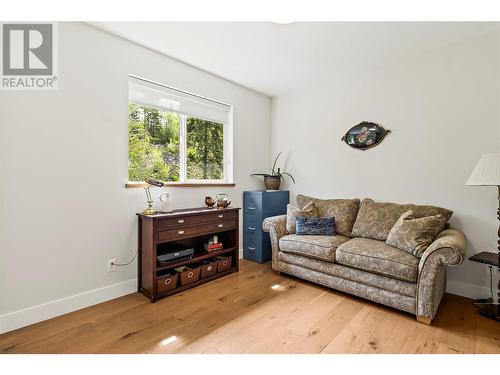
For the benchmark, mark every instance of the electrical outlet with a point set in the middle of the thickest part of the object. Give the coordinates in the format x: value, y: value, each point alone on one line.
x: 111, y: 265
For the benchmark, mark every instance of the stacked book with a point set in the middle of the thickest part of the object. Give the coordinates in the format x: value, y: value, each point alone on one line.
x: 213, y: 246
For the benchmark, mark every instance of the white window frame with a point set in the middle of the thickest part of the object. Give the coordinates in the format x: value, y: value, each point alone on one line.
x: 227, y: 136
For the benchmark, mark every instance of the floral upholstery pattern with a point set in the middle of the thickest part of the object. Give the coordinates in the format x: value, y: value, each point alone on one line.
x: 343, y: 210
x: 334, y: 269
x: 313, y: 246
x: 375, y: 220
x: 276, y: 227
x: 421, y: 296
x: 377, y: 257
x: 414, y: 235
x: 448, y: 249
x: 309, y: 210
x: 372, y: 293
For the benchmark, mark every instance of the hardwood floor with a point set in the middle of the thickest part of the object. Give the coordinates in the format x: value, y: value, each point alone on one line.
x: 257, y: 311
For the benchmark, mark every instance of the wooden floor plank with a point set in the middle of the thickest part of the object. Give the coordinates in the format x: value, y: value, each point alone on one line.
x: 257, y: 311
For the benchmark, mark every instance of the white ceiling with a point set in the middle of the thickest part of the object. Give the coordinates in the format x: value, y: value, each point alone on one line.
x: 275, y: 59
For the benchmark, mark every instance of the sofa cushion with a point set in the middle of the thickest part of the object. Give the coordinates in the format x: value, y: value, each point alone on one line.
x: 324, y: 226
x: 349, y: 273
x: 414, y: 235
x: 309, y: 210
x: 378, y: 257
x: 312, y: 246
x: 344, y: 211
x: 375, y: 220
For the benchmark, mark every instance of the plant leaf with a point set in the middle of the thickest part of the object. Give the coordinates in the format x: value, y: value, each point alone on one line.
x: 289, y: 175
x: 274, y: 164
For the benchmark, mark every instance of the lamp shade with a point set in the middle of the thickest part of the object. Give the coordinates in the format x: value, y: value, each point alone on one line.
x: 487, y: 171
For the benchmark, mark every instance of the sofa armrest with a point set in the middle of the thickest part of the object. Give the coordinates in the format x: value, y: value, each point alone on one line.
x: 448, y: 249
x: 276, y: 226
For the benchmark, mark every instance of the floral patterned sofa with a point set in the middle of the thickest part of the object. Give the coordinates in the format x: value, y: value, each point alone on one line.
x: 357, y: 259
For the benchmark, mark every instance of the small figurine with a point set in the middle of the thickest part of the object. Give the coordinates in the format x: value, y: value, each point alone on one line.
x: 223, y: 200
x: 210, y: 202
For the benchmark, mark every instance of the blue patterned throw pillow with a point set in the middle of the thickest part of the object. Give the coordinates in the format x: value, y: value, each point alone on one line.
x: 315, y: 225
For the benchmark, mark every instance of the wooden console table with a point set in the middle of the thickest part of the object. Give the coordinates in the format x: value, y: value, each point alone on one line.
x: 187, y: 227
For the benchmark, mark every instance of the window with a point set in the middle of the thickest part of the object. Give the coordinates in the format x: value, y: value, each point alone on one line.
x: 176, y: 136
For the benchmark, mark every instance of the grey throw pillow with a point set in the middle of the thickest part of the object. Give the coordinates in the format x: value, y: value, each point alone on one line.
x: 309, y: 210
x: 414, y: 235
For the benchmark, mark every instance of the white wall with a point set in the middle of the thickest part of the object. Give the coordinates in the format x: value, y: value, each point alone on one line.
x: 443, y: 111
x: 64, y: 206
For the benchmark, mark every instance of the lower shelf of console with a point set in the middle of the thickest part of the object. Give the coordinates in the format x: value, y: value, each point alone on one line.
x: 179, y: 289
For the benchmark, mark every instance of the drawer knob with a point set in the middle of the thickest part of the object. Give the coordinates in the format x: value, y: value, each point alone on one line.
x: 180, y: 232
x: 224, y: 263
x: 251, y: 228
x: 221, y: 215
x: 190, y: 274
x: 221, y: 225
x: 251, y: 208
x: 168, y: 281
x: 180, y: 221
x: 251, y: 248
x: 209, y: 268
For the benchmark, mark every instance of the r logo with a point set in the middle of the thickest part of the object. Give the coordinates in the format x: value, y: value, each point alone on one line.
x: 27, y: 49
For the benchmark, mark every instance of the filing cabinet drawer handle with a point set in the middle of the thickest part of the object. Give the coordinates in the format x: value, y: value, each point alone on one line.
x: 168, y: 281
x: 221, y: 225
x: 180, y: 232
x: 180, y: 221
x: 251, y: 208
x: 251, y: 248
x: 221, y: 215
x: 251, y: 228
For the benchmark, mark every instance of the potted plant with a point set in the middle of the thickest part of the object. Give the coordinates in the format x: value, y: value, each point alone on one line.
x: 273, y: 180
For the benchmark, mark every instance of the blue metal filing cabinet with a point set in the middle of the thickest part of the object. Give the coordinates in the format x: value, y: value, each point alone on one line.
x: 258, y: 205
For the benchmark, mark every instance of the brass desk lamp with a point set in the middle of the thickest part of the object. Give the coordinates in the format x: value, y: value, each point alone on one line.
x: 151, y: 182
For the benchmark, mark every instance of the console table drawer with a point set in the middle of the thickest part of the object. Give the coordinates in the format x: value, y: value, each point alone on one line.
x: 187, y: 232
x: 187, y: 221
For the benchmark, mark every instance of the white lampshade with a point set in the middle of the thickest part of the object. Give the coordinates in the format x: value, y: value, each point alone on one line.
x: 487, y: 171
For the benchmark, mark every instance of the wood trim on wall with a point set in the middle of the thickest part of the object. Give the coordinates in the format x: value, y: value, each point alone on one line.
x: 133, y: 185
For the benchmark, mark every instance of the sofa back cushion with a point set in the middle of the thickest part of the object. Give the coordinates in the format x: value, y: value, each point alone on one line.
x: 375, y: 220
x: 292, y: 213
x: 343, y: 210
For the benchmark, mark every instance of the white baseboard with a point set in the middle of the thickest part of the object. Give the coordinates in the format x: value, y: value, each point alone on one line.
x: 38, y: 313
x: 48, y: 310
x: 467, y: 290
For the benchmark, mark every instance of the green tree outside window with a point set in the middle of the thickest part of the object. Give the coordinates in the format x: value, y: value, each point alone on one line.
x: 154, y: 146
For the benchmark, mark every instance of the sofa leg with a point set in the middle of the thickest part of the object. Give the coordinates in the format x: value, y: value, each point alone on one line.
x: 425, y: 320
x: 277, y: 272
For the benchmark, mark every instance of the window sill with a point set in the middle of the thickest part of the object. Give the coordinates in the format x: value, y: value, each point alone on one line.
x: 133, y: 185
